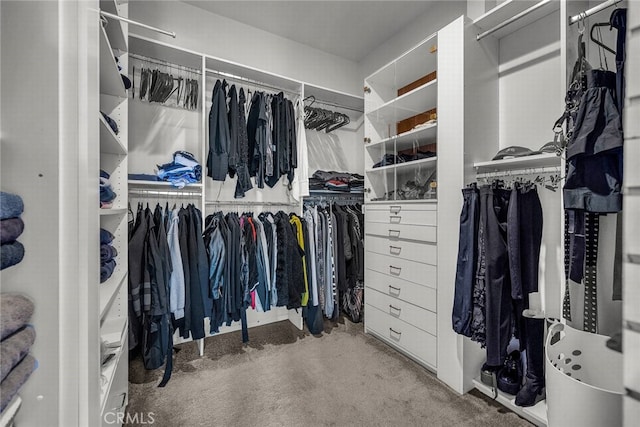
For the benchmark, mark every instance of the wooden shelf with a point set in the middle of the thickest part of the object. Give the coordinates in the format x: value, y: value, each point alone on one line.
x: 536, y: 414
x: 110, y: 79
x: 510, y: 8
x: 109, y: 141
x: 535, y: 161
x: 423, y: 135
x: 419, y: 100
x: 405, y: 165
x: 109, y: 289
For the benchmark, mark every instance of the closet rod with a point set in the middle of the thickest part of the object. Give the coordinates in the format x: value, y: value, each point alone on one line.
x: 518, y: 172
x: 592, y: 11
x: 513, y: 19
x: 251, y: 82
x: 176, y: 193
x: 139, y: 24
x: 248, y: 203
x: 164, y: 63
x: 331, y: 104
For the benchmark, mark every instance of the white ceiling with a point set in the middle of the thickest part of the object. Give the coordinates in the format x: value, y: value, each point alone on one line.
x: 349, y: 29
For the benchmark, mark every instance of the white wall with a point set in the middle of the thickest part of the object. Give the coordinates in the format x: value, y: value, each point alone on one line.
x: 439, y: 14
x: 339, y: 150
x: 225, y: 38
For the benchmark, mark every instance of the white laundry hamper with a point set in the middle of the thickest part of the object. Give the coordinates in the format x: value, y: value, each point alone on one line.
x: 584, y: 379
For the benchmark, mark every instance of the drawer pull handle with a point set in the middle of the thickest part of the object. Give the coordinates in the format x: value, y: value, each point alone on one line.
x: 395, y: 209
x: 394, y: 233
x: 395, y: 332
x: 394, y: 288
x: 396, y: 309
x: 395, y: 219
x: 394, y: 250
x: 394, y: 270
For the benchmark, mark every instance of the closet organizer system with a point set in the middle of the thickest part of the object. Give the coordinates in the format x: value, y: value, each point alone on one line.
x: 159, y: 129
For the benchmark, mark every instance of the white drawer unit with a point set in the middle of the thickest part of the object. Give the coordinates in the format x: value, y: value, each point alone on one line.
x: 401, y: 231
x: 412, y: 314
x: 405, y: 249
x: 422, y: 274
x: 409, y: 339
x: 399, y: 207
x: 403, y: 217
x: 413, y: 293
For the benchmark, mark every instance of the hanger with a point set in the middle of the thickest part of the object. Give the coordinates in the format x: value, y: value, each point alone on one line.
x: 598, y: 41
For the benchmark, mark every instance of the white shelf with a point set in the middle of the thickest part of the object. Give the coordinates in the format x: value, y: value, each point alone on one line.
x: 395, y: 202
x: 113, y: 330
x: 114, y: 27
x: 405, y: 165
x: 109, y: 141
x: 108, y: 371
x: 109, y: 289
x: 115, y: 211
x: 535, y: 161
x: 423, y: 135
x: 161, y: 184
x: 511, y: 8
x: 419, y: 100
x: 10, y: 411
x: 536, y: 414
x: 110, y: 79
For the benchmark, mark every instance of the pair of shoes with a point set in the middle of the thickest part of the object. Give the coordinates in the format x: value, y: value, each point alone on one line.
x: 531, y: 393
x: 510, y: 376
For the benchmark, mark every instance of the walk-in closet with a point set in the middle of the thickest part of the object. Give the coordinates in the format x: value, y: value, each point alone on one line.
x: 222, y: 213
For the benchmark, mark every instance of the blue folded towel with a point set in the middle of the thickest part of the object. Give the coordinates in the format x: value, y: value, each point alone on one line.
x: 11, y: 254
x: 105, y: 236
x: 14, y: 348
x: 19, y: 375
x: 15, y: 312
x: 106, y: 270
x: 11, y: 205
x: 10, y: 229
x: 107, y: 252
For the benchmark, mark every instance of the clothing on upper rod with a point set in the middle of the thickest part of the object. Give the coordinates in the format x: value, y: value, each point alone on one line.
x: 319, y: 118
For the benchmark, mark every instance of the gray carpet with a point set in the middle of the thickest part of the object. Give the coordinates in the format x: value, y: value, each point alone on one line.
x: 287, y: 377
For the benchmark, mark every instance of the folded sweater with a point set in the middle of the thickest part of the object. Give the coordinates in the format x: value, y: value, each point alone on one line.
x: 15, y: 312
x: 10, y: 229
x: 19, y: 375
x: 14, y: 348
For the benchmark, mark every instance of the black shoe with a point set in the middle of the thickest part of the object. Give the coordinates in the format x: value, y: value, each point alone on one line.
x: 531, y: 393
x: 510, y: 376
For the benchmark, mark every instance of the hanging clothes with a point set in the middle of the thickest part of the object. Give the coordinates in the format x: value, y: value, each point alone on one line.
x: 219, y: 134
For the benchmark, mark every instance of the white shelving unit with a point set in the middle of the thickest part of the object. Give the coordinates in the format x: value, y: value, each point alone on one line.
x: 534, y: 161
x: 405, y: 165
x: 409, y: 104
x: 109, y: 141
x: 110, y: 79
x: 537, y: 414
x: 511, y: 8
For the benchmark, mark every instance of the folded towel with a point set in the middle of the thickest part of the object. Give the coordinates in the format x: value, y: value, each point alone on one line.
x: 10, y: 229
x: 106, y: 270
x: 19, y: 375
x: 107, y: 252
x: 11, y: 254
x: 15, y: 312
x: 105, y: 236
x: 11, y: 205
x: 14, y: 348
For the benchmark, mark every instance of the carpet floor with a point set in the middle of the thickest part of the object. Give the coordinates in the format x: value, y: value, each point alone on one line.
x: 287, y: 377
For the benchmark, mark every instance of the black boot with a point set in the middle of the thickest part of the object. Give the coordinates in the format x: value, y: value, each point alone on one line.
x: 510, y: 376
x: 533, y: 390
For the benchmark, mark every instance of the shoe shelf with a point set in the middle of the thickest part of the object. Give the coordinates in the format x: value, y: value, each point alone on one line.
x: 422, y: 135
x: 405, y: 165
x: 110, y: 79
x: 536, y: 414
x: 109, y: 141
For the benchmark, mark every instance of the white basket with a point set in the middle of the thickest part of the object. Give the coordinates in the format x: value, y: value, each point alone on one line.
x: 584, y: 379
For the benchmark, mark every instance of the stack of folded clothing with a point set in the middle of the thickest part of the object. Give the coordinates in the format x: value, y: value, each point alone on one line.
x: 112, y: 123
x: 107, y: 255
x: 11, y: 226
x: 17, y: 337
x: 336, y: 181
x: 388, y: 159
x: 183, y: 170
x: 107, y: 195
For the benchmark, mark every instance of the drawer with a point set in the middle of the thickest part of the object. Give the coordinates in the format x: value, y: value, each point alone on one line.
x: 423, y: 233
x: 403, y: 217
x: 413, y: 315
x: 405, y: 249
x: 398, y: 207
x: 416, y: 272
x: 413, y: 293
x: 416, y: 342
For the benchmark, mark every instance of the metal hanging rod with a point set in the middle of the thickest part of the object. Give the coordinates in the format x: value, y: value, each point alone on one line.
x: 519, y: 172
x: 248, y: 203
x: 331, y: 104
x: 139, y: 24
x: 249, y: 82
x: 592, y: 11
x: 176, y: 193
x: 513, y: 19
x: 164, y: 63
